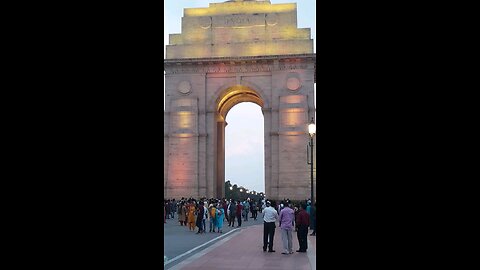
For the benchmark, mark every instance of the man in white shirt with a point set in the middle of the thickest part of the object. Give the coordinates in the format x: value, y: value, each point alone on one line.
x: 270, y: 216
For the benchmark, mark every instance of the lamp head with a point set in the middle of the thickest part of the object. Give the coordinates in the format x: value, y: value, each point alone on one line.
x: 311, y: 128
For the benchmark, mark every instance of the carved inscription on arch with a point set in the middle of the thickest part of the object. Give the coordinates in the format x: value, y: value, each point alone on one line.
x: 233, y: 68
x: 239, y: 20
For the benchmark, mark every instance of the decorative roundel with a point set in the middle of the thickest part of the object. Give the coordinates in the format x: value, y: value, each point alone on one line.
x: 184, y: 87
x: 293, y: 83
x: 205, y: 22
x: 272, y: 19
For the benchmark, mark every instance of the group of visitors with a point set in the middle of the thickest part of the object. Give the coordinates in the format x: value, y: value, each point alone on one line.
x: 170, y: 207
x: 192, y: 213
x: 290, y: 217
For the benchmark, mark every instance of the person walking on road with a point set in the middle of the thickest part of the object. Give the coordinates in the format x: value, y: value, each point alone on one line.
x: 286, y: 218
x: 270, y: 216
x: 303, y: 221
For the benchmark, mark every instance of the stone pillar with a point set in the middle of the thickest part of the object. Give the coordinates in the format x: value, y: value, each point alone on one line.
x: 220, y: 182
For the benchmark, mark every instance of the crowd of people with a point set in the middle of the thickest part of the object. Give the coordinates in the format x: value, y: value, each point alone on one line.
x: 290, y: 216
x: 194, y: 213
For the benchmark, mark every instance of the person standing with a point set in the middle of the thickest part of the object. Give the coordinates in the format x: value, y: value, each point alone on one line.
x: 212, y: 213
x: 232, y: 212
x: 205, y: 216
x: 191, y: 216
x: 200, y: 215
x: 224, y: 206
x: 309, y: 209
x: 173, y: 208
x: 286, y: 218
x: 270, y: 216
x: 246, y: 207
x: 296, y: 209
x: 167, y: 207
x: 220, y: 215
x: 280, y: 208
x: 303, y: 221
x: 239, y: 213
x: 181, y: 214
x: 314, y: 219
x: 254, y: 209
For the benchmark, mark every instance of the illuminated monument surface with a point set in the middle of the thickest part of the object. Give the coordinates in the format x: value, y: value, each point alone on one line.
x: 228, y: 53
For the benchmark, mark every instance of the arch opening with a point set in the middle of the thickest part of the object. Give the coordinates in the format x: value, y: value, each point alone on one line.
x: 244, y: 152
x: 235, y: 95
x: 227, y: 100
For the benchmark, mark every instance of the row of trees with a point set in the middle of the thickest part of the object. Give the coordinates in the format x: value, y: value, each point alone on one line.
x: 240, y: 193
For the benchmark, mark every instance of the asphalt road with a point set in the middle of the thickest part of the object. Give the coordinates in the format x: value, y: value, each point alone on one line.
x: 178, y: 239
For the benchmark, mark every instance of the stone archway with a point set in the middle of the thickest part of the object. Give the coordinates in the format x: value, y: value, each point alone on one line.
x: 229, y: 53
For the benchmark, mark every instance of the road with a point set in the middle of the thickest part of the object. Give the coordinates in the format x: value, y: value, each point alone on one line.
x: 178, y: 239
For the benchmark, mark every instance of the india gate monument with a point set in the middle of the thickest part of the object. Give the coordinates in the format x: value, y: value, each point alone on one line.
x: 228, y: 53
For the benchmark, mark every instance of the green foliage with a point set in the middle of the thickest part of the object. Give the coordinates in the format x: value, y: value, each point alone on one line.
x: 235, y: 194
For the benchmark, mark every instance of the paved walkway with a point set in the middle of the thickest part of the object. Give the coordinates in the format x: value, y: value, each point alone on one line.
x: 243, y: 250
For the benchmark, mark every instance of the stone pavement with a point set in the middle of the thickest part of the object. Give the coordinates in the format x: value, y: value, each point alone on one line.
x: 243, y: 250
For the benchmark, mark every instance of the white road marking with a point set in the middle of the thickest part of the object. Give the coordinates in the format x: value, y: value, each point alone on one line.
x: 202, y: 245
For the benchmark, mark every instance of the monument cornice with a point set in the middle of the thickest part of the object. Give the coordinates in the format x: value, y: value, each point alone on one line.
x: 235, y: 59
x: 240, y: 64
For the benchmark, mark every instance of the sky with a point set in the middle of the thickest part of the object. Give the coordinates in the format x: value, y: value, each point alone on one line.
x: 244, y: 142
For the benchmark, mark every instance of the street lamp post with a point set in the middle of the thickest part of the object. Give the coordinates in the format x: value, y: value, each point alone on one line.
x: 311, y: 132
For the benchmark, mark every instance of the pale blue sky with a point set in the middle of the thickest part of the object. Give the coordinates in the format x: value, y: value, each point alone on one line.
x: 244, y: 139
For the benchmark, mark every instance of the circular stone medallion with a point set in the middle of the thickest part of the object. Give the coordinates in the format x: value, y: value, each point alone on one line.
x: 205, y: 23
x: 272, y: 19
x: 293, y: 84
x: 184, y: 87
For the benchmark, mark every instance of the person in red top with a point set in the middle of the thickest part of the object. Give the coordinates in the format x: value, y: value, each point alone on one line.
x: 303, y: 221
x: 239, y: 214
